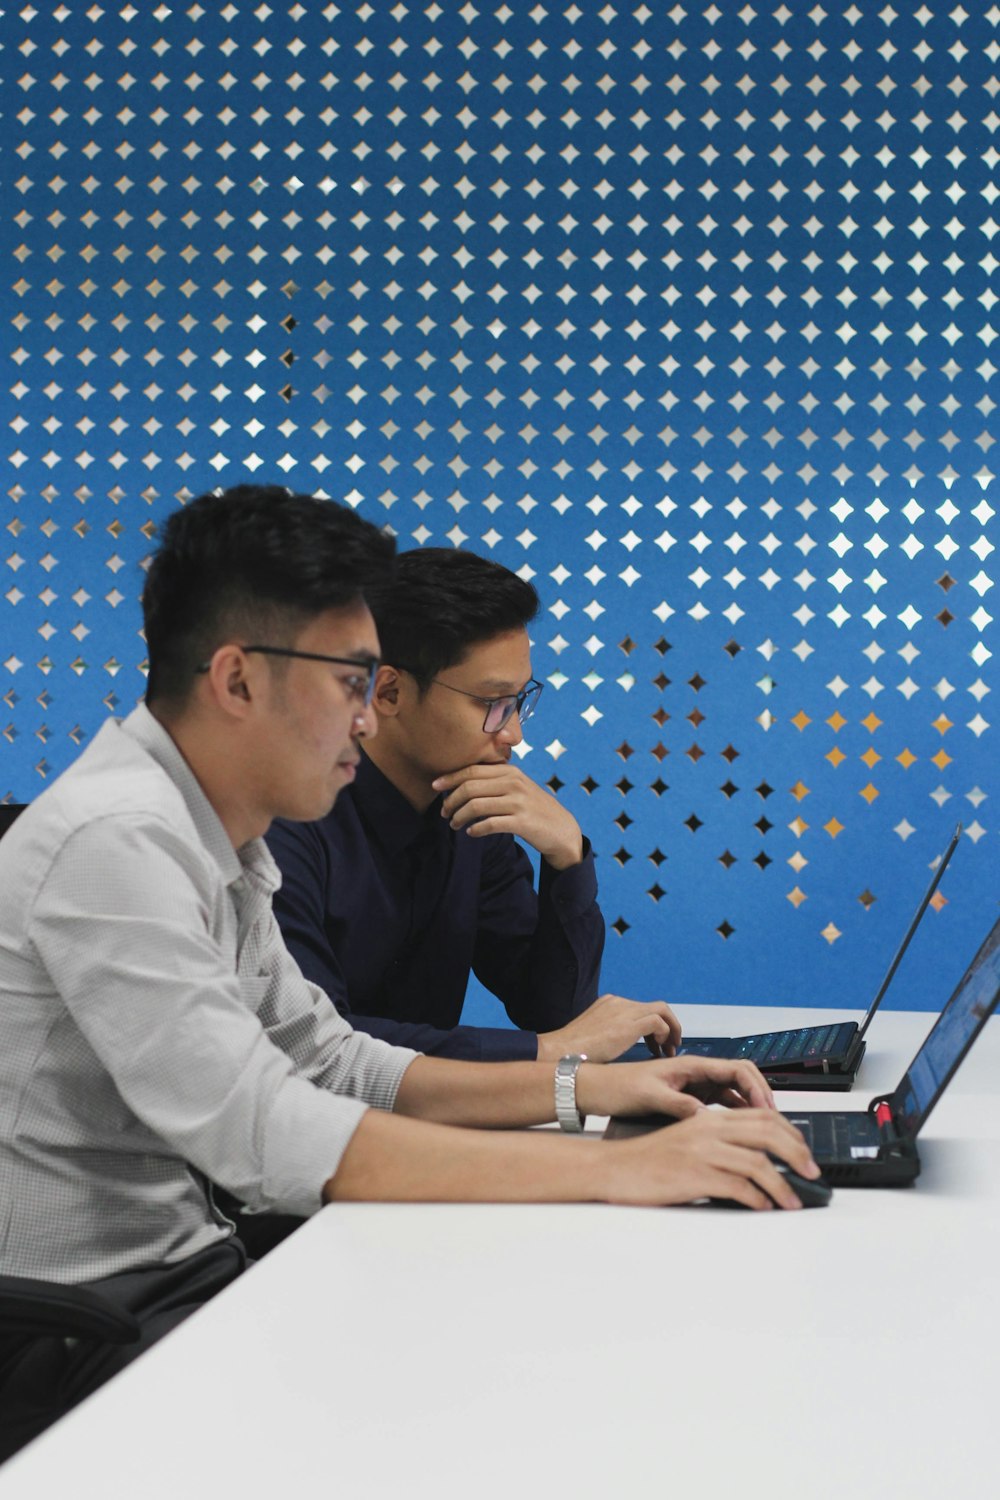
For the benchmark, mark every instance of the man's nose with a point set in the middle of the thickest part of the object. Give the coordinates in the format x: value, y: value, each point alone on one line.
x: 365, y: 724
x: 511, y: 733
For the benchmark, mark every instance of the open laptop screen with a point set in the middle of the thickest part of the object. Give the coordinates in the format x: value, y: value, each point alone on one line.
x: 950, y: 1038
x: 925, y: 901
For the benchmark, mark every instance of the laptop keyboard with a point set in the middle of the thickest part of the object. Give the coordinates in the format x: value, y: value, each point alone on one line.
x: 834, y: 1137
x: 776, y: 1047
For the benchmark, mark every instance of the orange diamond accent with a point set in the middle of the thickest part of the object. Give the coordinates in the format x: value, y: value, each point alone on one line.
x: 942, y: 724
x: 796, y: 897
x: 835, y: 756
x: 906, y: 759
x: 871, y: 722
x: 869, y: 793
x: 798, y: 826
x: 836, y: 721
x: 801, y: 720
x: 871, y: 757
x: 833, y: 828
x: 941, y: 760
x: 939, y: 901
x: 799, y: 790
x: 831, y: 933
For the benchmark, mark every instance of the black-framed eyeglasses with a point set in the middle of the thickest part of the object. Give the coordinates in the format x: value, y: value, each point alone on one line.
x: 499, y: 711
x: 361, y: 688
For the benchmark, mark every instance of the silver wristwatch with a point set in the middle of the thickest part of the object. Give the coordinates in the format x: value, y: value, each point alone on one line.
x: 567, y: 1113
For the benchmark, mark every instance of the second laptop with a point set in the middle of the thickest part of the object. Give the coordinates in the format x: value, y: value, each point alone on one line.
x: 817, y: 1057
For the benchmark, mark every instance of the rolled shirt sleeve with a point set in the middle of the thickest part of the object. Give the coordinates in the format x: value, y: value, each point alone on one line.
x: 182, y: 991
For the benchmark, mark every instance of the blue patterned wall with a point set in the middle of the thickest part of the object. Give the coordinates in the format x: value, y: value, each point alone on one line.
x: 684, y: 312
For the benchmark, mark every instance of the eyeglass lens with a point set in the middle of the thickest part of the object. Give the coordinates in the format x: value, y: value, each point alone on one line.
x: 503, y: 709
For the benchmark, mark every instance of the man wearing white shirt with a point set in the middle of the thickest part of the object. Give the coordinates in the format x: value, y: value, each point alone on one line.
x: 155, y: 1035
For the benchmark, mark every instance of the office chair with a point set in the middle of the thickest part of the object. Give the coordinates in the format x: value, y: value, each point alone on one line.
x: 36, y: 1308
x: 8, y: 812
x: 39, y: 1308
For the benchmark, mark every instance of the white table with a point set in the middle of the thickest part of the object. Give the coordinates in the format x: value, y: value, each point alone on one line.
x: 448, y: 1351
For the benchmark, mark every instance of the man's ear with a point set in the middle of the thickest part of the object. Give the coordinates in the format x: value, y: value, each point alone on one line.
x: 388, y: 691
x: 229, y: 681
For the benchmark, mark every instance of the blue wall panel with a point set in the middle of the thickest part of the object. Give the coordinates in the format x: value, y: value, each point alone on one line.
x: 686, y: 313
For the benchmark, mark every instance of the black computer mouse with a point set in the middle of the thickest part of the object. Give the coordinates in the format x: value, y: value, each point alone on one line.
x: 812, y: 1192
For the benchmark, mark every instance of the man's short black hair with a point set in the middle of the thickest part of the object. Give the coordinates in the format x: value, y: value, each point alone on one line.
x: 253, y: 564
x: 440, y: 603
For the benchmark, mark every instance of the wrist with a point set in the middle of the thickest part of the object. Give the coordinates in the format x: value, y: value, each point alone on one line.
x: 550, y: 1046
x: 591, y: 1090
x: 568, y: 1114
x: 565, y: 855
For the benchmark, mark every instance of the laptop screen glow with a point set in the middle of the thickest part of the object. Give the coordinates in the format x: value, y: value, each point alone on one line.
x: 967, y: 1010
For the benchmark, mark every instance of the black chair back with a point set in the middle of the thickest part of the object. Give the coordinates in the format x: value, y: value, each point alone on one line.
x: 47, y: 1307
x: 9, y: 811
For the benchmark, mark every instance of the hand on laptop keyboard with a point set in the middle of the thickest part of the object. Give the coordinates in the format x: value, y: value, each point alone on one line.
x: 610, y: 1027
x: 676, y: 1086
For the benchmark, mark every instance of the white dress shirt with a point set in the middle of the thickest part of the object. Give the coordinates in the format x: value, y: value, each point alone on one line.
x: 155, y: 1034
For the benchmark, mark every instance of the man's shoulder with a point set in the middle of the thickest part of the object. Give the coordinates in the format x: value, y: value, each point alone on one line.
x: 114, y: 780
x: 117, y: 774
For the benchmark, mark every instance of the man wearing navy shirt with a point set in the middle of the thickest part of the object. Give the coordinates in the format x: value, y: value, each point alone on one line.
x: 416, y: 878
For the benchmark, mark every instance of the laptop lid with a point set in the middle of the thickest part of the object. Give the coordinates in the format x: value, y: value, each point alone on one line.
x: 949, y: 1039
x: 890, y: 973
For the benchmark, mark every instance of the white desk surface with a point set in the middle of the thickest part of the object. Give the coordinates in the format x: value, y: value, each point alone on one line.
x: 579, y: 1352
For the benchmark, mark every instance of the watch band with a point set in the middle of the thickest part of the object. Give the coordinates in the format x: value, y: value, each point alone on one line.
x: 567, y: 1113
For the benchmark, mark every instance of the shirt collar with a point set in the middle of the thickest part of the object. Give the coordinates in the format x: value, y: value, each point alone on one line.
x: 389, y: 819
x: 253, y: 857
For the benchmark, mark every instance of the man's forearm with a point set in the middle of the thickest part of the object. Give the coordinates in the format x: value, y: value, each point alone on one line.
x: 519, y: 1094
x: 398, y: 1161
x: 719, y: 1154
x: 481, y: 1094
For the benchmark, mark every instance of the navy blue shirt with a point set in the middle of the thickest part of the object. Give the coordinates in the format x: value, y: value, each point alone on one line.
x: 388, y: 910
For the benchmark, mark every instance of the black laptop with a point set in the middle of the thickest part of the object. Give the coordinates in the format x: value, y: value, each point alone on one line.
x: 877, y: 1147
x: 817, y: 1057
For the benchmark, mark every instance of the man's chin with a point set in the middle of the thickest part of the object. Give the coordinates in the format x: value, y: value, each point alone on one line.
x: 313, y: 811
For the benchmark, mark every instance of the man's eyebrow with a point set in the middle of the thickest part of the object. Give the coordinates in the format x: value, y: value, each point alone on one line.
x: 500, y: 687
x: 363, y: 654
